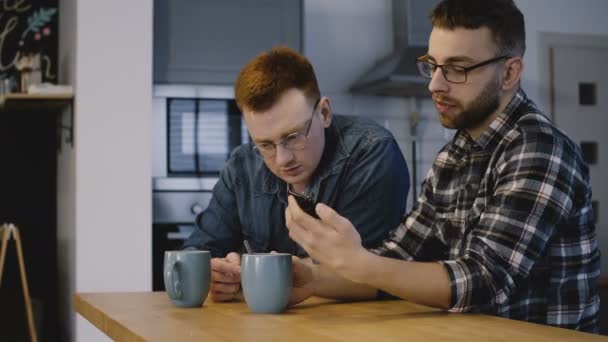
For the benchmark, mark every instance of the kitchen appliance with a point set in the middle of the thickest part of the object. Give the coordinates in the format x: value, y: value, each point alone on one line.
x: 194, y: 130
x: 396, y: 74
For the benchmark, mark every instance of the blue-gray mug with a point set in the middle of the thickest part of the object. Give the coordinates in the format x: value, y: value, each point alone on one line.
x: 187, y: 275
x: 266, y: 280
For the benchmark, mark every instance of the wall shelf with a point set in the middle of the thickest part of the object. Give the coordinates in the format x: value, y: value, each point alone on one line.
x: 16, y: 103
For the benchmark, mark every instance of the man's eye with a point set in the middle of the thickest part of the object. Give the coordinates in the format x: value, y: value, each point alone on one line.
x: 453, y: 69
x: 291, y: 137
x: 292, y: 140
x: 265, y: 146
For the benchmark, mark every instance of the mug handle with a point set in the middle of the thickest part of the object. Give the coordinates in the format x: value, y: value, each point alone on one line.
x: 175, y: 292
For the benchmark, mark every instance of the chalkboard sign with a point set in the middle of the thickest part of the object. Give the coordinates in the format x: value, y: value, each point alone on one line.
x: 29, y: 28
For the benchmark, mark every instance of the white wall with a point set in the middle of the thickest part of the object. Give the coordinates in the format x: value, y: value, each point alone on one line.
x: 105, y: 180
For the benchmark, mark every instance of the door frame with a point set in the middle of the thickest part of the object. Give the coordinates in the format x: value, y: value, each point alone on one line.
x: 550, y: 40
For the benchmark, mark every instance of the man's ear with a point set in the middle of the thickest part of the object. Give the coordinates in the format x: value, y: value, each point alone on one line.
x: 514, y: 67
x: 325, y: 110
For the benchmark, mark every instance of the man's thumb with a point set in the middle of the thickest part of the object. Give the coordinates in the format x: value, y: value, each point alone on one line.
x: 233, y: 258
x: 331, y: 217
x: 325, y: 212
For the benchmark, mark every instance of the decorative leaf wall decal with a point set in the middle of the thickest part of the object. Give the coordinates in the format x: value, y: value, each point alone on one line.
x: 38, y: 19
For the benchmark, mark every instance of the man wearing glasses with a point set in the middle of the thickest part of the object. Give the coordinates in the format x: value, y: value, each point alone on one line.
x: 353, y: 165
x: 503, y: 224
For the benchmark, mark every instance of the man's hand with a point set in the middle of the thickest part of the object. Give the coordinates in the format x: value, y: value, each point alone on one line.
x: 225, y: 278
x: 332, y: 239
x: 354, y: 272
x: 303, y: 280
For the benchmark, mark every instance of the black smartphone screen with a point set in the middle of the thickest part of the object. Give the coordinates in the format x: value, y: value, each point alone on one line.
x: 306, y: 203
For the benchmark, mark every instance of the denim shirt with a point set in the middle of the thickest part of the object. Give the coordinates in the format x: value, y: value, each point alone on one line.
x: 362, y: 175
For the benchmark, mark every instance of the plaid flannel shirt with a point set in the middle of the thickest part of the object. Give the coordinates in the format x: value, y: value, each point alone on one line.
x: 509, y: 216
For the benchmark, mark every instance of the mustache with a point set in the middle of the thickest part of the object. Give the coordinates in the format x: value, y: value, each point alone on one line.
x: 444, y: 99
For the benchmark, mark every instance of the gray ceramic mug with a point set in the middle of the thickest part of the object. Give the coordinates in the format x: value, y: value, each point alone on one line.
x: 266, y: 280
x: 187, y: 275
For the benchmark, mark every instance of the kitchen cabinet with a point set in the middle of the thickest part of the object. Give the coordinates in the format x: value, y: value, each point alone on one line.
x: 209, y: 41
x: 415, y: 26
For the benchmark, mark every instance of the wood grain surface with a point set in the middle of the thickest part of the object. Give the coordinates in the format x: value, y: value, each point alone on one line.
x: 150, y: 316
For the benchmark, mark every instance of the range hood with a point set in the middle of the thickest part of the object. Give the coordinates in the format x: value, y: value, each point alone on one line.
x: 396, y: 74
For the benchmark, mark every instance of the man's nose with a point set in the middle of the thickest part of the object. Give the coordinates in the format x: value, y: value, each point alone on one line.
x: 438, y: 82
x: 283, y: 156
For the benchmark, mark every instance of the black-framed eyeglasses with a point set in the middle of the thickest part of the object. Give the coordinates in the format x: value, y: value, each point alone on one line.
x: 452, y: 73
x: 292, y: 142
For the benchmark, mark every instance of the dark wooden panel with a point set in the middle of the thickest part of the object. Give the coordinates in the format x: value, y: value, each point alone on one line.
x: 28, y: 199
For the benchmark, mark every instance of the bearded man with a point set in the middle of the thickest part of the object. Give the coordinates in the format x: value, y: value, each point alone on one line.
x: 503, y: 224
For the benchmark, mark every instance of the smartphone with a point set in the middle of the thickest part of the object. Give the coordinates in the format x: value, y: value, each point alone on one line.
x: 305, y: 202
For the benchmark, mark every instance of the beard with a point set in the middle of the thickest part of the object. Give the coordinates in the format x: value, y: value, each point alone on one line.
x: 475, y: 112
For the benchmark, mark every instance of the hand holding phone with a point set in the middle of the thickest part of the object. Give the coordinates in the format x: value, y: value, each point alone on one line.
x: 305, y: 202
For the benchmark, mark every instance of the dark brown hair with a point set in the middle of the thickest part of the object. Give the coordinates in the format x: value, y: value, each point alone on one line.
x: 268, y: 75
x: 502, y: 17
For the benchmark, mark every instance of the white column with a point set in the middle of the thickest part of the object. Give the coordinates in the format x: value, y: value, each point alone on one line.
x: 104, y: 182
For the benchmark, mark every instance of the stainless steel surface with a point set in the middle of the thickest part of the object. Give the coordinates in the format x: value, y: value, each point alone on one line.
x: 183, y: 233
x: 183, y: 184
x: 396, y: 74
x: 161, y: 92
x: 193, y: 90
x: 247, y: 247
x: 177, y: 200
x: 196, y: 209
x: 174, y: 207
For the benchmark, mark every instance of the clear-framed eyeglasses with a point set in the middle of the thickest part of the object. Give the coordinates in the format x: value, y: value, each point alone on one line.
x: 292, y: 142
x: 452, y: 73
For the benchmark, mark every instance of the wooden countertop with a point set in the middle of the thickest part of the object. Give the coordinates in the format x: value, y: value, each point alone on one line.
x: 150, y: 316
